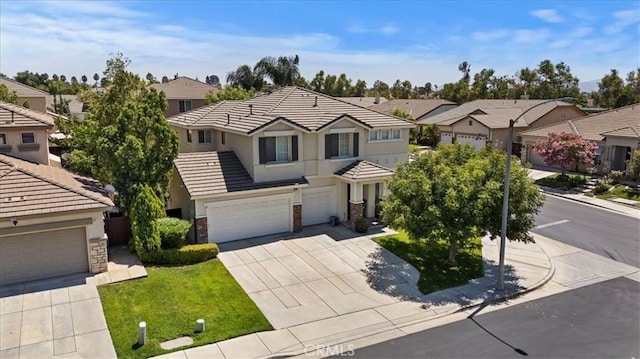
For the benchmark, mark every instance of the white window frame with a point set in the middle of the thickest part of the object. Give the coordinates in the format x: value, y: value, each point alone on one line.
x: 189, y: 136
x: 27, y: 133
x: 182, y: 105
x: 344, y: 144
x: 204, y: 136
x: 385, y: 135
x: 283, y: 144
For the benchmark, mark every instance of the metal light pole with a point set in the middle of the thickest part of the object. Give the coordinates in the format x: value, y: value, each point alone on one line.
x: 505, y: 198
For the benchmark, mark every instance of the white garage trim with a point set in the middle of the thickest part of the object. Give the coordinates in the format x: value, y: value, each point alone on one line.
x: 249, y: 217
x: 318, y: 204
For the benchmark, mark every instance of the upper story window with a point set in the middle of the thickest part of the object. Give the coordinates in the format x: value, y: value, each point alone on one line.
x: 204, y: 136
x: 385, y: 135
x: 189, y: 137
x: 3, y: 139
x: 278, y: 149
x: 28, y: 137
x: 341, y: 145
x: 185, y: 105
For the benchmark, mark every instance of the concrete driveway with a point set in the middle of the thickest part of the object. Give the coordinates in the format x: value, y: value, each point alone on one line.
x: 308, y: 278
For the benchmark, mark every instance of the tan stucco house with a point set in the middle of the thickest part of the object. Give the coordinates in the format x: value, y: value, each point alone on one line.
x: 183, y: 94
x: 37, y: 99
x: 51, y: 222
x: 24, y: 133
x: 617, y: 133
x: 481, y: 122
x: 281, y: 161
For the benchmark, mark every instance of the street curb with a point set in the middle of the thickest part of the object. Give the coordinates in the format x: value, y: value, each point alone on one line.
x: 559, y: 195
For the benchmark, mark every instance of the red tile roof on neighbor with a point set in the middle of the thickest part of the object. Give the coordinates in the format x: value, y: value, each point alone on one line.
x: 18, y: 116
x: 184, y: 88
x: 620, y: 122
x: 306, y: 109
x: 211, y: 173
x: 361, y: 170
x: 28, y: 188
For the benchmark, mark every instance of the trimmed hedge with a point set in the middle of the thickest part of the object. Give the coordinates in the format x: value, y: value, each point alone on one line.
x: 190, y: 254
x: 173, y: 231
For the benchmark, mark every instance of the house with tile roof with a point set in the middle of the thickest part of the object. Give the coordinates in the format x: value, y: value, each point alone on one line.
x: 483, y: 122
x: 364, y: 101
x: 24, y: 133
x: 37, y: 99
x: 617, y: 133
x: 51, y: 222
x: 183, y: 94
x: 281, y: 161
x: 418, y: 109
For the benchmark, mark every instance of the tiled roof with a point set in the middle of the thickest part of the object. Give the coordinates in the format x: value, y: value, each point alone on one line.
x: 497, y: 113
x: 21, y: 89
x: 28, y: 188
x: 359, y: 170
x: 184, y: 88
x: 75, y: 105
x: 416, y: 108
x: 623, y: 122
x: 211, y: 173
x: 363, y: 101
x: 18, y: 116
x: 304, y: 108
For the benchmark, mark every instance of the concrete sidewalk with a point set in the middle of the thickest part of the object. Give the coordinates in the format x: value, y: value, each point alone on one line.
x: 527, y: 268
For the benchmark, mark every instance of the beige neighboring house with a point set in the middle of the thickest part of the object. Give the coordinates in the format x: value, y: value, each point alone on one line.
x: 481, y: 122
x: 76, y: 107
x: 617, y: 133
x: 51, y: 222
x: 183, y: 94
x: 363, y: 100
x: 24, y: 133
x: 281, y: 161
x: 418, y: 109
x: 38, y: 100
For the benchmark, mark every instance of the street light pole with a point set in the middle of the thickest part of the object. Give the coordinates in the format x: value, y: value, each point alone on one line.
x: 505, y: 198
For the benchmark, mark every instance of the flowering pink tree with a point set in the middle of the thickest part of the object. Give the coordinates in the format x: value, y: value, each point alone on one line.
x: 565, y: 149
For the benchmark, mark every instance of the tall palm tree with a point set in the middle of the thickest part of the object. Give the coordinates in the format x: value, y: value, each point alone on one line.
x: 283, y: 71
x: 244, y: 77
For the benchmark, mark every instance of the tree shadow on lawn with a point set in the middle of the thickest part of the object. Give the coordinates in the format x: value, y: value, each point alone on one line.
x: 462, y: 285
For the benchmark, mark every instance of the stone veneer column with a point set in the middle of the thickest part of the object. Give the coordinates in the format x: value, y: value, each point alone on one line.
x: 98, y: 254
x: 297, y: 217
x: 202, y: 232
x: 355, y: 213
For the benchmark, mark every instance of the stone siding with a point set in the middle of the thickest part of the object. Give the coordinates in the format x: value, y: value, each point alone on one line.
x: 356, y: 211
x: 297, y: 217
x: 202, y: 232
x: 98, y: 259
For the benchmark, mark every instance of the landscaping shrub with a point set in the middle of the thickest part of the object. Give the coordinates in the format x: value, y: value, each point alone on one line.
x: 173, y: 231
x: 189, y: 254
x: 145, y: 209
x: 602, y: 187
x: 362, y: 225
x: 615, y: 176
x: 576, y: 181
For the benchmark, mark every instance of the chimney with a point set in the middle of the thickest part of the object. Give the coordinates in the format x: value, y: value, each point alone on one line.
x: 250, y: 109
x: 377, y: 100
x: 315, y: 104
x: 524, y: 97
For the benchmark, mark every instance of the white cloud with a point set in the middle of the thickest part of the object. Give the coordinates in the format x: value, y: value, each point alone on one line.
x: 531, y: 36
x: 621, y: 20
x: 489, y: 35
x: 548, y: 15
x: 581, y: 31
x: 387, y: 29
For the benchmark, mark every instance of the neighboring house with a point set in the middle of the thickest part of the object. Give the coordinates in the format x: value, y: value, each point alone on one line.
x: 37, y: 99
x: 481, y: 122
x: 281, y: 161
x: 418, y: 109
x: 51, y: 222
x: 76, y: 107
x: 24, y: 133
x: 363, y: 101
x: 617, y: 133
x: 183, y: 94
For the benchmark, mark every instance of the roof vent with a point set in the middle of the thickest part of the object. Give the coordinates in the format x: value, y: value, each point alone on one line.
x: 251, y: 109
x: 315, y: 104
x: 228, y: 119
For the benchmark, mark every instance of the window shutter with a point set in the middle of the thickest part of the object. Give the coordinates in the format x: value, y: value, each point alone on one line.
x: 356, y: 143
x: 328, y: 144
x: 262, y: 149
x: 294, y: 148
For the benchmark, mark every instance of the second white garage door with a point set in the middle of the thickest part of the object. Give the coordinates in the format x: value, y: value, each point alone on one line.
x: 318, y: 204
x: 246, y: 218
x: 42, y: 255
x: 477, y: 142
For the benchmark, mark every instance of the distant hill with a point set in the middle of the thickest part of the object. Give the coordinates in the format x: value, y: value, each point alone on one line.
x: 589, y: 86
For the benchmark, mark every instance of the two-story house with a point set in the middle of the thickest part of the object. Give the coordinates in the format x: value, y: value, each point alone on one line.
x: 280, y: 161
x: 183, y: 94
x: 36, y: 99
x: 24, y: 133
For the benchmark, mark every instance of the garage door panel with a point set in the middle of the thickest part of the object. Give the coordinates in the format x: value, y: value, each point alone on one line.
x: 318, y: 204
x: 43, y: 255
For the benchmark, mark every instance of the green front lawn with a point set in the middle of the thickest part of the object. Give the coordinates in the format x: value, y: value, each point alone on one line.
x: 620, y: 191
x: 562, y: 182
x: 170, y: 300
x: 435, y: 273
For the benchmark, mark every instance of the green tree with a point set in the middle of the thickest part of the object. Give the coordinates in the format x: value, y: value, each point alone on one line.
x: 317, y: 84
x: 359, y: 89
x: 84, y: 79
x: 245, y: 78
x: 458, y: 92
x: 146, y: 209
x: 455, y: 194
x: 227, y: 93
x: 8, y: 96
x: 96, y: 77
x: 125, y: 138
x: 283, y: 71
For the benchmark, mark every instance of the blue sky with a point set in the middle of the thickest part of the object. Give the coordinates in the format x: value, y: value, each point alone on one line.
x: 416, y: 40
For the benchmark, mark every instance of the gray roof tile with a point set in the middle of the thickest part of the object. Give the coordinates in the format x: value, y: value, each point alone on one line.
x: 416, y: 108
x: 14, y: 116
x: 184, y: 88
x: 361, y: 169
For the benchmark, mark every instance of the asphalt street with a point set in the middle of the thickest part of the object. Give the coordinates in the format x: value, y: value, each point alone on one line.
x: 597, y: 321
x: 599, y: 231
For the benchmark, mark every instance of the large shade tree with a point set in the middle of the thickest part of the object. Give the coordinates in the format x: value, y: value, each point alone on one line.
x: 282, y: 71
x: 455, y: 195
x: 244, y: 77
x: 565, y: 149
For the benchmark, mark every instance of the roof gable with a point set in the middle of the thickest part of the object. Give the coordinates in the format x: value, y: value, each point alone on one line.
x: 184, y: 88
x: 14, y: 116
x: 21, y: 89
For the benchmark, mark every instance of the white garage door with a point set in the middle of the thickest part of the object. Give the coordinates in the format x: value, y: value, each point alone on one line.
x: 446, y: 138
x: 318, y: 204
x: 477, y: 142
x: 42, y: 255
x: 245, y: 218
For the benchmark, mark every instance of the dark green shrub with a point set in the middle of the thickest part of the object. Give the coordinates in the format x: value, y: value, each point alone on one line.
x: 362, y: 225
x: 173, y: 231
x: 602, y: 187
x: 189, y: 254
x: 576, y: 181
x: 144, y: 211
